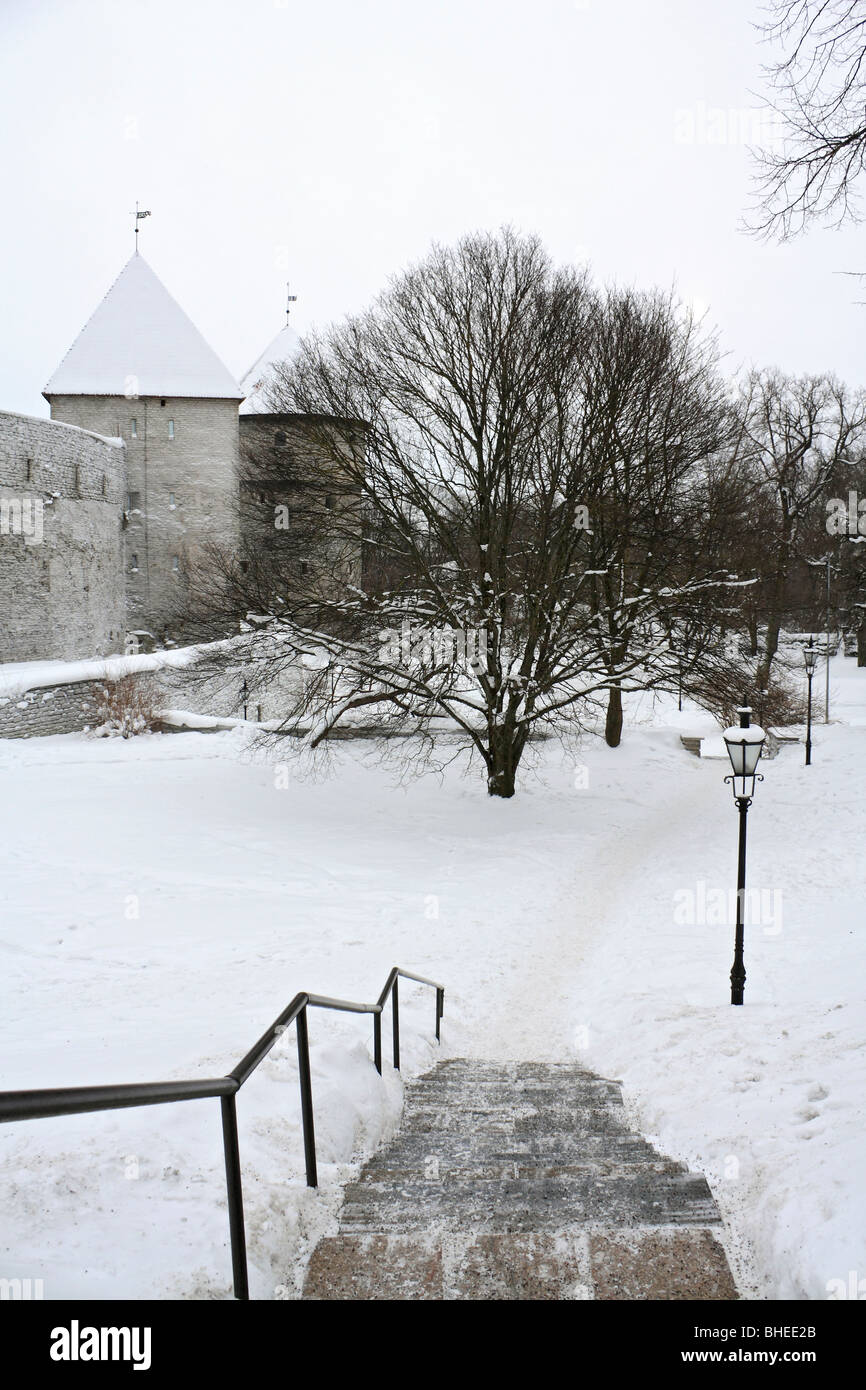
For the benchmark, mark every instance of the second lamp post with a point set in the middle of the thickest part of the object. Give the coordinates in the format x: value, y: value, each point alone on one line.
x: 810, y: 657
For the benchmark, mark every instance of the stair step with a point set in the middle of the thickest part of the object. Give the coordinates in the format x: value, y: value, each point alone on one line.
x: 490, y: 1147
x: 538, y: 1266
x: 479, y: 1066
x: 525, y: 1204
x: 521, y: 1124
x: 392, y: 1167
x: 495, y: 1096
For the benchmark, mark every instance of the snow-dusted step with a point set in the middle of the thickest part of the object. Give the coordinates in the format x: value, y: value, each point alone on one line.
x: 521, y: 1180
x: 399, y: 1167
x: 536, y: 1203
x: 454, y: 1151
x: 567, y: 1265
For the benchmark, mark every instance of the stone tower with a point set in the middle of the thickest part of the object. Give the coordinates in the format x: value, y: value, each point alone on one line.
x: 141, y: 371
x: 284, y: 467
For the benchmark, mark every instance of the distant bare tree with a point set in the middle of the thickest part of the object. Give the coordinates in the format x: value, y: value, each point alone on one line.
x: 818, y: 91
x: 799, y: 433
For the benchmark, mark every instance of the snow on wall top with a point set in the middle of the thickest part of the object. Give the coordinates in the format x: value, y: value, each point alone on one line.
x: 140, y: 342
x: 115, y: 440
x: 283, y: 347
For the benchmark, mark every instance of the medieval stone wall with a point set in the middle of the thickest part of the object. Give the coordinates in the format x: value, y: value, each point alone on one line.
x: 61, y: 549
x: 73, y: 707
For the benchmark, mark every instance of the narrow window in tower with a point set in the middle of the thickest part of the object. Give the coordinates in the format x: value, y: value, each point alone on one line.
x: 133, y: 429
x: 104, y: 486
x: 175, y: 563
x: 304, y: 567
x: 29, y: 472
x: 133, y: 563
x: 171, y: 501
x: 245, y: 564
x: 329, y: 501
x: 279, y: 437
x: 171, y: 429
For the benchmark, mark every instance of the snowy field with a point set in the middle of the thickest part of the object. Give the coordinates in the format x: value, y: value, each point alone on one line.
x: 164, y: 898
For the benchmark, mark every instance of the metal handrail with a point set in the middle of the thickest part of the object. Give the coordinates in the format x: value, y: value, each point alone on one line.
x: 77, y: 1100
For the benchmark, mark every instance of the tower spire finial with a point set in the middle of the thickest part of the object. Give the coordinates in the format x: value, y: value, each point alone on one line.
x: 290, y: 300
x: 138, y: 218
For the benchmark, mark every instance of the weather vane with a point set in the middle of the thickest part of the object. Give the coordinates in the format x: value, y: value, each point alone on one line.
x: 290, y: 300
x: 139, y: 216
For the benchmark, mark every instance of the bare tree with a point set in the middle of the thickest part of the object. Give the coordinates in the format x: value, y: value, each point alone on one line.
x: 659, y: 414
x: 818, y: 91
x: 798, y: 434
x: 493, y: 442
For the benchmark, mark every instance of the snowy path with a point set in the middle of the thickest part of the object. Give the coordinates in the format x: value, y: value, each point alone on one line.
x: 545, y: 1013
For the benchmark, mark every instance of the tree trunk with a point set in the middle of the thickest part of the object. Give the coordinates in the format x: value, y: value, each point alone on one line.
x: 613, y: 723
x: 501, y: 767
x: 501, y: 782
x: 505, y: 750
x: 774, y: 626
x: 774, y: 617
x: 861, y: 643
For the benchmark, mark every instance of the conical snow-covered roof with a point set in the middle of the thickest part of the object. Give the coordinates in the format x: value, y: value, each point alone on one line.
x: 254, y: 384
x: 139, y: 342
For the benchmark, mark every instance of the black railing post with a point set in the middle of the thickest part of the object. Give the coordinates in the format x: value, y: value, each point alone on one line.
x: 440, y: 1009
x: 377, y: 1042
x: 306, y: 1099
x: 234, y: 1192
x: 395, y: 1021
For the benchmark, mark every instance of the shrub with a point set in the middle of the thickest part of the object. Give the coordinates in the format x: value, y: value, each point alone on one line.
x: 126, y: 708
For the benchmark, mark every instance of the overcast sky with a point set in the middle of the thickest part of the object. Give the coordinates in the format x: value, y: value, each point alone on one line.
x: 330, y: 142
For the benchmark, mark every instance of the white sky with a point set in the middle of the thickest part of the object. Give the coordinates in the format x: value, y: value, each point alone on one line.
x: 330, y: 142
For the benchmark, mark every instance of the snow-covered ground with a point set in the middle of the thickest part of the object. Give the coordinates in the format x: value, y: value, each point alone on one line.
x: 163, y: 898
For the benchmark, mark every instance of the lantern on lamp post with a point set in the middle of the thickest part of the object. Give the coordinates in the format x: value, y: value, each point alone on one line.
x: 810, y: 658
x: 745, y: 745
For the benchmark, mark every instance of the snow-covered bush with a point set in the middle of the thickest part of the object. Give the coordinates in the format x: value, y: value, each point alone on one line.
x: 126, y: 707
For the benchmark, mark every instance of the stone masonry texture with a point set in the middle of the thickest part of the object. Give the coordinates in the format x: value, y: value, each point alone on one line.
x: 182, y: 492
x: 59, y: 590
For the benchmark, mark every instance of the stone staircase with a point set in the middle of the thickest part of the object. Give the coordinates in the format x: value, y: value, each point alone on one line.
x: 521, y: 1181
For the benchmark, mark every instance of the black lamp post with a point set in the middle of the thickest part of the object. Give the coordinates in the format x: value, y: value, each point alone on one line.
x: 745, y: 745
x: 810, y: 657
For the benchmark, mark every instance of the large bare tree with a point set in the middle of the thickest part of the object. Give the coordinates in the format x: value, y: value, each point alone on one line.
x: 527, y: 487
